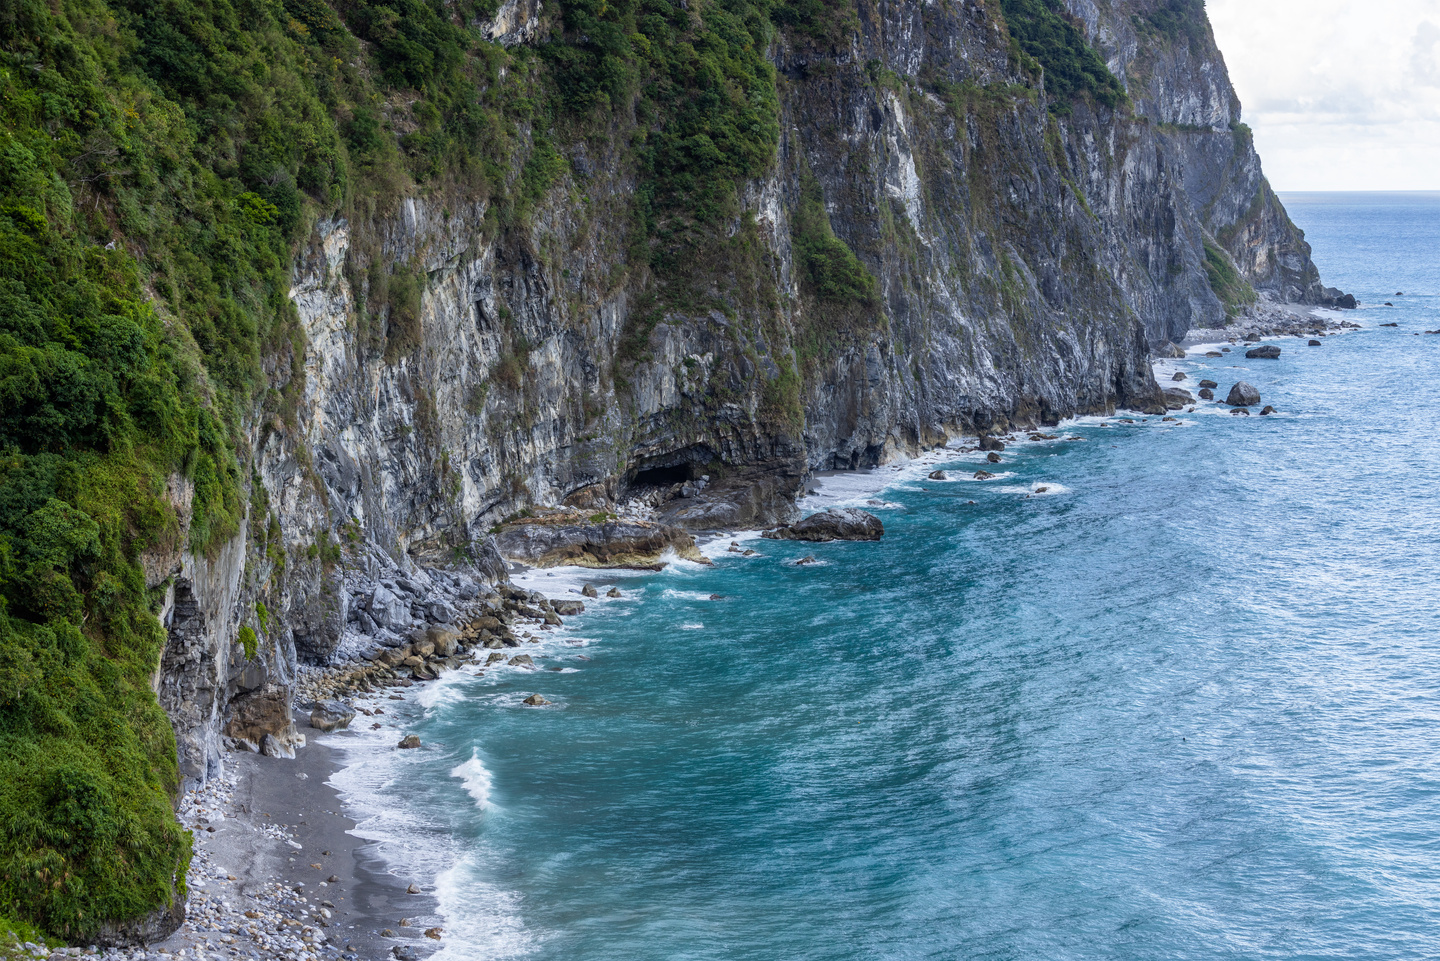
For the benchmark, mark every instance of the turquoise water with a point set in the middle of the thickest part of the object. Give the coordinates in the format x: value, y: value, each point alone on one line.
x: 1184, y: 704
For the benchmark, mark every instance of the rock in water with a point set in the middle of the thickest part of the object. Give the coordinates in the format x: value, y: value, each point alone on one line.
x: 589, y: 591
x: 522, y: 660
x: 937, y: 475
x: 1179, y: 375
x: 1243, y: 395
x: 990, y: 443
x: 409, y: 742
x: 1209, y: 383
x: 993, y: 458
x: 836, y: 524
x: 1207, y: 394
x: 535, y: 700
x: 1267, y: 411
x: 613, y: 592
x: 807, y: 559
x: 1314, y: 343
x: 1176, y: 398
x: 331, y: 715
x: 983, y: 475
x: 568, y: 608
x: 1263, y: 352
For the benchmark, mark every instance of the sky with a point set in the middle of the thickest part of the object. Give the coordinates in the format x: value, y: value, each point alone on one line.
x: 1341, y: 94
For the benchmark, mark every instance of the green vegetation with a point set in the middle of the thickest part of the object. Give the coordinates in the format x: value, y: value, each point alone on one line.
x: 1173, y: 20
x: 248, y: 642
x: 1232, y: 289
x: 160, y: 163
x: 1042, y: 32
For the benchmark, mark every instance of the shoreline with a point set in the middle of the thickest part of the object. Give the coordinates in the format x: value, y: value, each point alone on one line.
x: 272, y: 831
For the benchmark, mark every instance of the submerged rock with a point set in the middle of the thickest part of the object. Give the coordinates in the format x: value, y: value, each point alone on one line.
x: 1243, y: 395
x: 836, y: 524
x: 535, y: 700
x: 983, y: 475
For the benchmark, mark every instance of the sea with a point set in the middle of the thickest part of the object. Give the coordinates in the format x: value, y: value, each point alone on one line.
x: 1158, y: 690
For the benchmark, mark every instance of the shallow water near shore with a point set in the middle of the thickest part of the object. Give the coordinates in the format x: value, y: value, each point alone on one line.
x: 1183, y: 704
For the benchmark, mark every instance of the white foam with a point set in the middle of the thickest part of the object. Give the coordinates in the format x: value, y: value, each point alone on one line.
x: 686, y: 595
x: 692, y: 627
x: 476, y: 779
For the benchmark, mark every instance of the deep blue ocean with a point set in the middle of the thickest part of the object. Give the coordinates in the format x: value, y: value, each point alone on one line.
x: 1184, y: 704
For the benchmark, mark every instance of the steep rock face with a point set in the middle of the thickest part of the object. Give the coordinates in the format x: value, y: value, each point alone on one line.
x: 1026, y: 261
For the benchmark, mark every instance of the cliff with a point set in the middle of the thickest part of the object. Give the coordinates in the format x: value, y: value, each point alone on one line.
x: 382, y: 276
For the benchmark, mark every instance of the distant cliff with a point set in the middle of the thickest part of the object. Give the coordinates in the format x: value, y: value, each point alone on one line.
x: 300, y: 299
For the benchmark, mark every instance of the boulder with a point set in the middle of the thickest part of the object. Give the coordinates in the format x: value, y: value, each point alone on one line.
x: 937, y: 475
x: 1207, y: 394
x: 535, y: 700
x: 613, y: 592
x: 1314, y: 343
x: 422, y: 648
x: 1267, y: 410
x: 1390, y: 325
x: 1213, y: 353
x: 1242, y: 395
x: 992, y: 458
x: 990, y: 443
x: 1179, y: 375
x: 1168, y: 349
x: 272, y: 746
x: 568, y: 608
x: 1263, y: 352
x: 434, y: 933
x: 807, y: 559
x: 1240, y: 411
x: 589, y: 591
x: 331, y: 715
x: 983, y: 475
x: 836, y: 524
x: 495, y: 657
x: 1209, y: 383
x: 445, y: 640
x: 521, y: 660
x: 409, y: 742
x: 1176, y: 398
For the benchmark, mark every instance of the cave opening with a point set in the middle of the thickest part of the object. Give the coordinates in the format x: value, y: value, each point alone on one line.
x: 662, y: 476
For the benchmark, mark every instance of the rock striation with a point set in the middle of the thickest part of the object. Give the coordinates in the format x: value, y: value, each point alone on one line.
x: 1028, y: 258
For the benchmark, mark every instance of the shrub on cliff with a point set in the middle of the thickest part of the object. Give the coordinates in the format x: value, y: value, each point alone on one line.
x: 1045, y: 31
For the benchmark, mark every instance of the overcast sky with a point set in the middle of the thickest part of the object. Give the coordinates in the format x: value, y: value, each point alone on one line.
x: 1341, y: 94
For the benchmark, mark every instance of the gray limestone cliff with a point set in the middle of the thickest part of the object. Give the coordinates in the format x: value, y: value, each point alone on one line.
x: 1027, y: 262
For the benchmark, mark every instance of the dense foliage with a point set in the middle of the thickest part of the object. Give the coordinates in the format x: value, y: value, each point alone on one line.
x: 1232, y: 289
x: 1044, y: 31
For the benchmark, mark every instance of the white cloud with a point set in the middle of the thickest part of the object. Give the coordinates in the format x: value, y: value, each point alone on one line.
x: 1341, y: 94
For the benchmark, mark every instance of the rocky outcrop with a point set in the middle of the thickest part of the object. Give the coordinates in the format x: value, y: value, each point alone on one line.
x: 836, y: 524
x: 559, y: 539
